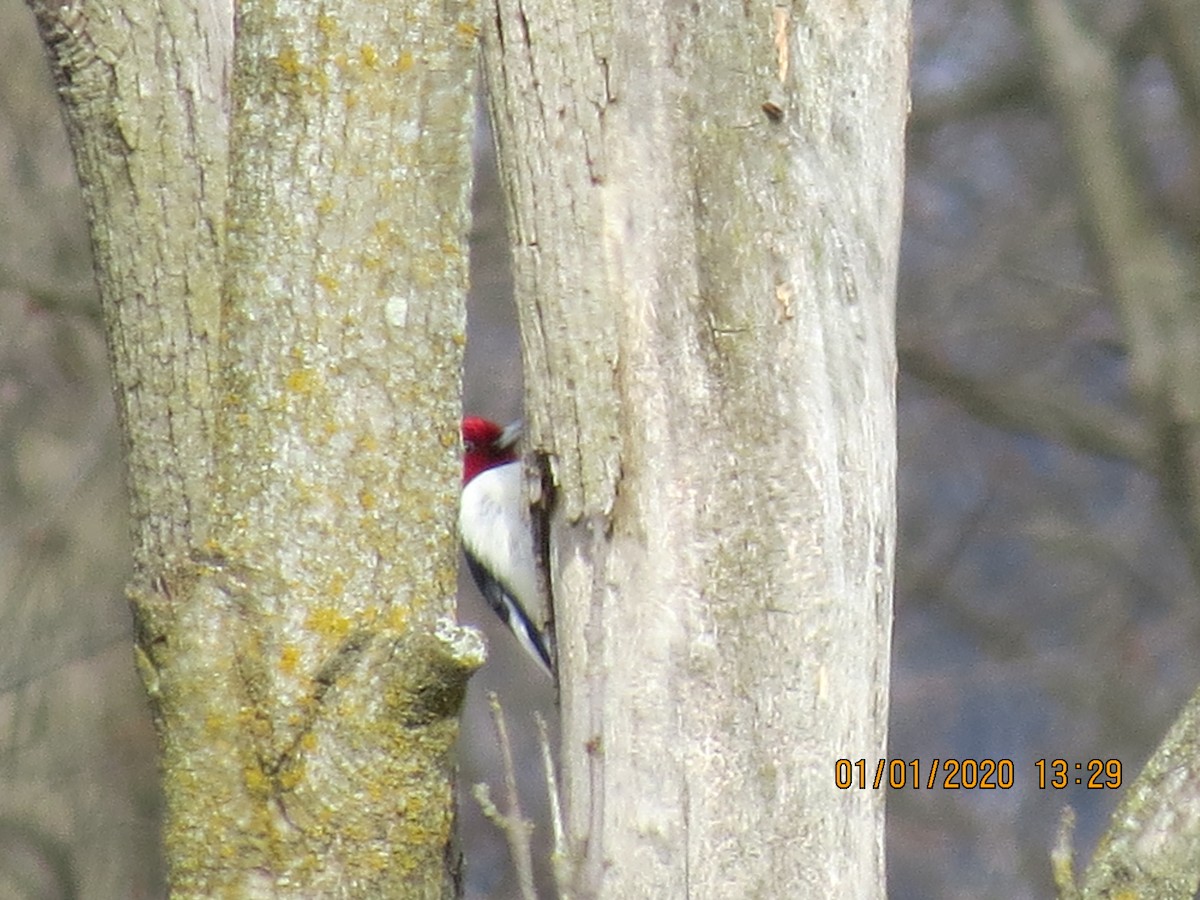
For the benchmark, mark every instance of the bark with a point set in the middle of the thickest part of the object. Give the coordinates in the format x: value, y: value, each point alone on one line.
x: 706, y: 212
x: 279, y: 233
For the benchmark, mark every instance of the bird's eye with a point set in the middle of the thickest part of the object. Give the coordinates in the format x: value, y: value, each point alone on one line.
x: 468, y: 446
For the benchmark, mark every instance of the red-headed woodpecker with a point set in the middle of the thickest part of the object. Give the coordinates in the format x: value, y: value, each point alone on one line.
x: 497, y: 533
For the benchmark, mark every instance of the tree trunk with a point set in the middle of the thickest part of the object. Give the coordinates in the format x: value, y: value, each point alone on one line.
x: 279, y: 230
x: 706, y: 210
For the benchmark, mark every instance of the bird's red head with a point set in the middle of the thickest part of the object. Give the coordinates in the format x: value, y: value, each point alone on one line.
x: 486, y: 445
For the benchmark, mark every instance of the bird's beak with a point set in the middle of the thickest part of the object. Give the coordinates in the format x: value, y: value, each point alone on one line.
x: 511, y: 434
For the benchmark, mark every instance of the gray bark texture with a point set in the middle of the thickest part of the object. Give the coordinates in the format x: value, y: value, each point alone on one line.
x: 706, y: 205
x: 279, y: 228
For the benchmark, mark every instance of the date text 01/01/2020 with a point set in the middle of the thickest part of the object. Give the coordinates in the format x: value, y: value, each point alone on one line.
x: 974, y: 774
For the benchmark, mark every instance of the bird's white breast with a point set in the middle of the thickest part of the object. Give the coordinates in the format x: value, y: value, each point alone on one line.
x: 494, y: 523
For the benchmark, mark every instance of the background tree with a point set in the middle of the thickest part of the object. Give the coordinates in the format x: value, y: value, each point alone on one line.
x: 1047, y: 584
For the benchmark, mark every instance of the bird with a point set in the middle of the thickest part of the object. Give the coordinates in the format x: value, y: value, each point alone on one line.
x: 496, y: 530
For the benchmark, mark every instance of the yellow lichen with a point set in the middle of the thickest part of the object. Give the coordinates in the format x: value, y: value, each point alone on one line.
x: 256, y: 782
x: 398, y: 617
x: 289, y: 62
x: 289, y: 659
x: 327, y: 25
x: 301, y: 381
x: 328, y: 622
x: 336, y: 585
x: 292, y: 776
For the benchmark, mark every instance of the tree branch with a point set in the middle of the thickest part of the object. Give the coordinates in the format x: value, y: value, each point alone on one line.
x: 1152, y: 847
x: 1151, y: 278
x: 511, y: 822
x: 1012, y: 83
x: 1180, y: 30
x: 1046, y: 412
x: 1145, y: 274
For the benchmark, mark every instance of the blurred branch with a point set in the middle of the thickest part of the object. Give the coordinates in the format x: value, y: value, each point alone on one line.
x: 1147, y: 277
x: 1180, y: 31
x: 27, y: 845
x: 1152, y: 847
x: 16, y: 678
x: 928, y: 586
x: 1152, y: 281
x: 79, y: 299
x: 1015, y: 82
x: 1012, y: 83
x: 1046, y: 412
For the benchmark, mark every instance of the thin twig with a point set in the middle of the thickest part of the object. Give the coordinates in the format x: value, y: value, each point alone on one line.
x: 1062, y: 857
x: 563, y: 875
x: 515, y: 827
